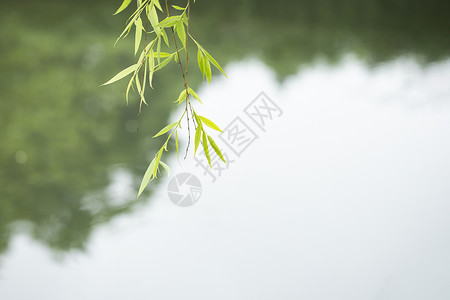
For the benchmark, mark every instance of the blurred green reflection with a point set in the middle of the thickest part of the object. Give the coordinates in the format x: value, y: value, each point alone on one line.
x: 62, y: 136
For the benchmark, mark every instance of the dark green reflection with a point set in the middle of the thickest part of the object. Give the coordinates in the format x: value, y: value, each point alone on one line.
x: 287, y: 34
x: 61, y: 135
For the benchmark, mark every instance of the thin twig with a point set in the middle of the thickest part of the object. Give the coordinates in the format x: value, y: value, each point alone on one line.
x: 183, y: 73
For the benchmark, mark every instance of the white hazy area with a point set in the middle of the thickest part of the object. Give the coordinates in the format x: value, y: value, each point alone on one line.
x: 346, y: 195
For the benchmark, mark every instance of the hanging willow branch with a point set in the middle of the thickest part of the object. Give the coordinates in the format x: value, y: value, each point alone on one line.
x: 152, y: 59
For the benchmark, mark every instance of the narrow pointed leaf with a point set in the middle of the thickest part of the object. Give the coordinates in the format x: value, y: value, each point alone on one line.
x: 128, y: 88
x: 122, y: 74
x: 157, y: 4
x: 208, y: 73
x: 205, y: 148
x: 147, y: 176
x: 215, y: 63
x: 124, y: 33
x: 124, y: 5
x: 209, y: 123
x: 184, y: 18
x: 178, y: 7
x: 181, y: 32
x: 164, y: 62
x: 197, y: 119
x: 158, y: 50
x: 140, y: 90
x: 166, y: 167
x: 144, y: 81
x: 181, y: 97
x: 209, y: 56
x: 198, y: 133
x: 166, y: 129
x: 153, y: 16
x: 138, y: 36
x: 191, y: 92
x: 168, y: 22
x: 151, y: 66
x: 200, y: 62
x: 164, y: 35
x: 162, y: 54
x: 141, y: 59
x: 158, y: 158
x: 216, y: 148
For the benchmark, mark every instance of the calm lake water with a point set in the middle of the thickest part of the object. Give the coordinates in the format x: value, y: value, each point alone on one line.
x: 337, y: 186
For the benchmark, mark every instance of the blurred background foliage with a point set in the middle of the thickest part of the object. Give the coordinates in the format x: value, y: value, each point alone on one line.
x: 62, y: 137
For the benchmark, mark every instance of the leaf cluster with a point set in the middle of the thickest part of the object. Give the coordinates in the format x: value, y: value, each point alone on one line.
x: 150, y: 18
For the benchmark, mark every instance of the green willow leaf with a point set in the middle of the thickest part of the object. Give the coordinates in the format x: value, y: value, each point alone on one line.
x: 198, y: 133
x: 153, y: 16
x: 124, y: 5
x: 209, y: 123
x: 124, y: 33
x: 191, y: 92
x: 215, y: 63
x: 178, y: 7
x: 164, y: 35
x: 138, y: 36
x: 200, y: 60
x: 158, y: 60
x: 158, y: 158
x: 151, y: 66
x: 205, y: 148
x: 164, y: 62
x: 166, y: 167
x: 138, y: 11
x: 209, y: 56
x: 208, y: 73
x: 166, y: 129
x: 141, y: 59
x: 156, y: 2
x: 216, y: 148
x: 168, y: 22
x: 162, y: 54
x: 184, y: 18
x: 140, y: 89
x: 158, y: 49
x: 128, y: 88
x: 125, y: 72
x: 147, y: 176
x: 181, y: 97
x: 146, y: 52
x: 131, y: 21
x: 144, y: 81
x: 181, y: 32
x: 196, y: 118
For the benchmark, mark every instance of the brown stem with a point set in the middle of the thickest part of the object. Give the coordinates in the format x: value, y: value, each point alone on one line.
x: 182, y: 71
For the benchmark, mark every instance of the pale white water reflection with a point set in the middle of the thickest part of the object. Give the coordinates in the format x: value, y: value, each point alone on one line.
x: 345, y: 196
